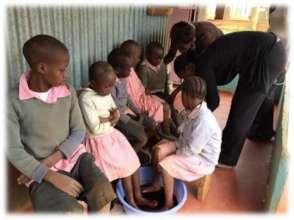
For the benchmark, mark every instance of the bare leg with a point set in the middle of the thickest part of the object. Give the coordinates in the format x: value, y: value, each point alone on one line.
x: 157, y: 155
x: 168, y: 182
x: 127, y: 183
x: 166, y: 118
x: 140, y: 200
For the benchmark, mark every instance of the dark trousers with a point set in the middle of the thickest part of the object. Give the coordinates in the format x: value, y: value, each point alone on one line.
x: 134, y: 132
x: 246, y: 104
x: 98, y: 190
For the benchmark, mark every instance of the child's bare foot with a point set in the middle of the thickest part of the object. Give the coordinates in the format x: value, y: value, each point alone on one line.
x: 133, y: 203
x: 166, y: 207
x: 151, y: 188
x: 146, y: 202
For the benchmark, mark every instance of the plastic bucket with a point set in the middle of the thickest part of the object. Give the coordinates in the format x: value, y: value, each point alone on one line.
x: 146, y: 174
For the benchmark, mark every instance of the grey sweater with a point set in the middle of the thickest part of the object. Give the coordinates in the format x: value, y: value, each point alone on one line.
x: 37, y: 129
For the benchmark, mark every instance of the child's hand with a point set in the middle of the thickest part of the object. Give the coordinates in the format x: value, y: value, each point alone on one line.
x: 114, y: 116
x: 64, y: 183
x: 22, y: 179
x: 148, y: 91
x: 52, y: 159
x: 104, y: 119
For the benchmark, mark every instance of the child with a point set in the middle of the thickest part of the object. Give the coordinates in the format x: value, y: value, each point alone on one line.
x: 195, y: 153
x: 45, y: 131
x: 121, y: 62
x: 156, y: 108
x: 112, y: 151
x: 153, y: 73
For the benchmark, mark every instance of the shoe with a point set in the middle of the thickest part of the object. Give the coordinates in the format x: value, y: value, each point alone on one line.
x: 224, y: 166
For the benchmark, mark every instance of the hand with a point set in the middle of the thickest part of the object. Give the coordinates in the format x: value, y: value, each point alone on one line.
x: 104, y: 119
x: 64, y: 183
x: 22, y: 179
x: 147, y: 91
x: 114, y: 116
x: 52, y: 159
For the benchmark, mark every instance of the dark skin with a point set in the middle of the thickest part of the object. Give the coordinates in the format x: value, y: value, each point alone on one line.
x: 189, y: 103
x: 132, y: 183
x: 45, y: 75
x: 188, y: 71
x: 103, y: 86
x: 155, y: 56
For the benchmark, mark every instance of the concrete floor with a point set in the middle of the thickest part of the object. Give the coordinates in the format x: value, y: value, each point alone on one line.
x: 231, y: 191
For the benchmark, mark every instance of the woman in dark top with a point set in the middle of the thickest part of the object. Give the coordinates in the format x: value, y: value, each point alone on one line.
x: 185, y: 36
x: 259, y: 58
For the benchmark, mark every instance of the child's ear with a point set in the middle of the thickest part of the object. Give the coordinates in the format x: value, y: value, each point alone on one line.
x: 42, y: 68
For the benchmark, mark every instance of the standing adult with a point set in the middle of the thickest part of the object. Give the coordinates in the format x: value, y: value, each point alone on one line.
x: 259, y: 58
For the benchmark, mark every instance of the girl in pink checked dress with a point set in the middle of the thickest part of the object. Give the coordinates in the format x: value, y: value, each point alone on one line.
x: 195, y: 153
x: 112, y: 151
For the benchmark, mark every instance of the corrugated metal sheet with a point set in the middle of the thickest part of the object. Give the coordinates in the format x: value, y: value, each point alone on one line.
x: 90, y: 33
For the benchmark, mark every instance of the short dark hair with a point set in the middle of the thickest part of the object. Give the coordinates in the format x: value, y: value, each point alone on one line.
x: 181, y: 62
x: 119, y: 57
x: 99, y: 70
x: 153, y: 45
x: 40, y: 48
x: 126, y: 44
x: 182, y: 32
x: 195, y: 87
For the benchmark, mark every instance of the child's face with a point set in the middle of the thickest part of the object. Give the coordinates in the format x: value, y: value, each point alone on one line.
x: 123, y: 71
x: 104, y: 86
x: 136, y: 53
x: 188, y: 71
x: 184, y: 47
x: 190, y: 103
x: 155, y: 56
x: 55, y: 72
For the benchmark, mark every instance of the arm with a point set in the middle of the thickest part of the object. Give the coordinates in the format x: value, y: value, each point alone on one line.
x: 123, y: 117
x: 143, y: 75
x: 198, y: 137
x: 166, y: 88
x: 171, y: 53
x: 77, y: 128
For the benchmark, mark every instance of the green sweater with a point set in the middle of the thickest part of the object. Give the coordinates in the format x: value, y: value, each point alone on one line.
x: 36, y: 129
x: 155, y: 82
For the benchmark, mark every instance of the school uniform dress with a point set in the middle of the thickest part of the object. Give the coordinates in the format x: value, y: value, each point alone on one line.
x: 197, y: 148
x: 150, y: 104
x: 112, y: 151
x: 259, y: 58
x: 154, y: 78
x: 38, y: 125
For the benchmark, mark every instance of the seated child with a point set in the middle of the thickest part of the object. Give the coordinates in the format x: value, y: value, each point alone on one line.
x: 45, y: 132
x: 128, y: 123
x: 156, y: 108
x: 112, y: 151
x: 153, y: 73
x: 195, y: 153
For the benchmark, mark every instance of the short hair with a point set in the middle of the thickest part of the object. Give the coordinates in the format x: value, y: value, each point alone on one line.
x: 181, y: 62
x: 195, y: 87
x: 119, y: 57
x: 40, y: 48
x: 126, y: 44
x: 99, y: 70
x: 153, y: 45
x: 182, y: 32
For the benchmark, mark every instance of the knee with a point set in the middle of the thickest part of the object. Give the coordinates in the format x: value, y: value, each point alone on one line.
x: 86, y: 157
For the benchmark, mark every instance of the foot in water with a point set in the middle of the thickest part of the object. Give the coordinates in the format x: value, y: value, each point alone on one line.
x: 145, y: 202
x: 151, y: 188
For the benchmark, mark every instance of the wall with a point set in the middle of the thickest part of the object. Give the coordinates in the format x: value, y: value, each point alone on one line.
x: 89, y: 33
